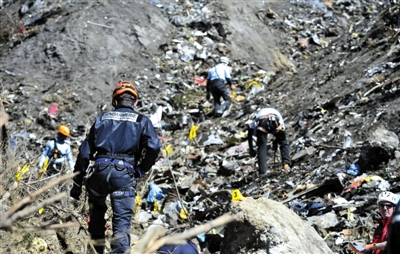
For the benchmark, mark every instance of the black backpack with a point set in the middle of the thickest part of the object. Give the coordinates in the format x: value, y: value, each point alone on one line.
x: 56, y: 152
x: 269, y: 124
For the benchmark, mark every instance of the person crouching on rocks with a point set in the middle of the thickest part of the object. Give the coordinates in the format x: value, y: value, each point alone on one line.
x: 56, y: 151
x: 268, y: 120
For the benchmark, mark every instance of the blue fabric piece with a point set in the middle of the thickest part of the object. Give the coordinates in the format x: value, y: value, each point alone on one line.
x: 188, y: 248
x: 201, y: 237
x: 297, y: 206
x: 366, y: 251
x: 12, y: 143
x: 317, y: 205
x: 354, y: 170
x: 155, y: 193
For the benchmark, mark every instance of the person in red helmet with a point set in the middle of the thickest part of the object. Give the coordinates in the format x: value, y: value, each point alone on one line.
x: 122, y: 143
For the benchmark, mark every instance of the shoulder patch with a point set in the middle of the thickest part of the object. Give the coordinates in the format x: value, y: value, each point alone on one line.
x: 120, y: 116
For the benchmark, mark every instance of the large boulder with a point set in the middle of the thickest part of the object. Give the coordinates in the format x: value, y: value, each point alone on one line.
x: 378, y: 149
x: 266, y: 226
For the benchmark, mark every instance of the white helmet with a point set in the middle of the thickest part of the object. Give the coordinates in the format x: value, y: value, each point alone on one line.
x: 388, y: 196
x: 224, y: 59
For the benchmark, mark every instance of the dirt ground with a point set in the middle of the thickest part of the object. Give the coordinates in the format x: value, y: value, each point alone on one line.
x: 76, y: 52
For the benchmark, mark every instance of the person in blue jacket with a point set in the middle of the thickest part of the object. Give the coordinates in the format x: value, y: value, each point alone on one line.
x: 218, y: 78
x: 122, y: 143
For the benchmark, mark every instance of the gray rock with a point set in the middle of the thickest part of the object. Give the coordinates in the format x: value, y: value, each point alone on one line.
x: 268, y: 225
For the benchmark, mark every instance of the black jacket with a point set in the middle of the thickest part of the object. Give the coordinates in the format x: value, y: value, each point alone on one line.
x: 123, y: 133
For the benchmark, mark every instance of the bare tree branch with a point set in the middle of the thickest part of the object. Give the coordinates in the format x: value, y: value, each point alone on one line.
x: 34, y: 208
x: 7, y: 219
x: 149, y: 243
x: 45, y: 227
x: 148, y: 239
x: 32, y: 196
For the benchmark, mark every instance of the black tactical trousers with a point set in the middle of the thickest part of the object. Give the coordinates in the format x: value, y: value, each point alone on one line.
x: 120, y: 184
x: 219, y: 89
x: 263, y: 151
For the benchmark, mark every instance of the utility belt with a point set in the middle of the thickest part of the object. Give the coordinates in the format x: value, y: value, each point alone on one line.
x: 114, y: 194
x: 98, y: 176
x: 119, y: 162
x: 116, y: 162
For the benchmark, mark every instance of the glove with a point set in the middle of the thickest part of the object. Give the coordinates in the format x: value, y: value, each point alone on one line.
x: 208, y: 96
x: 252, y: 153
x: 155, y: 193
x: 355, y: 247
x: 369, y: 248
x: 75, y: 192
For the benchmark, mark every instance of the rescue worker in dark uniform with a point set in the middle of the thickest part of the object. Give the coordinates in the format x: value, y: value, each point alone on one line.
x: 125, y: 144
x: 217, y: 78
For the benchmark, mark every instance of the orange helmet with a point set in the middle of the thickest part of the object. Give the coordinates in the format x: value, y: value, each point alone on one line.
x: 124, y: 87
x: 64, y: 130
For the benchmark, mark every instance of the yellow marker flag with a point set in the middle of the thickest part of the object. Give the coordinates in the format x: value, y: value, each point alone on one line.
x: 138, y: 202
x: 156, y: 209
x: 254, y: 83
x: 192, y: 132
x: 233, y: 94
x: 41, y: 210
x: 183, y: 213
x: 168, y: 149
x: 236, y: 195
x: 22, y: 171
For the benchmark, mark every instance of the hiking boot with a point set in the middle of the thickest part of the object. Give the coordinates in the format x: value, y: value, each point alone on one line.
x: 286, y: 167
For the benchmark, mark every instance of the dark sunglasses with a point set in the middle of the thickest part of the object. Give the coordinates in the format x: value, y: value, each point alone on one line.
x: 386, y: 206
